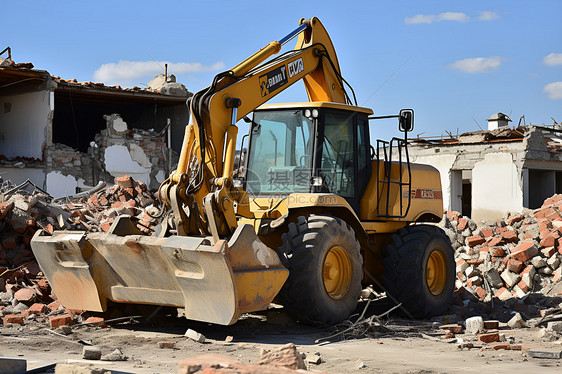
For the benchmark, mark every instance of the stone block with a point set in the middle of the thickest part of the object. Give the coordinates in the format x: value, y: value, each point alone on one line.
x: 91, y: 353
x: 474, y: 325
x: 543, y: 353
x: 194, y: 335
x: 510, y: 278
x: 524, y: 251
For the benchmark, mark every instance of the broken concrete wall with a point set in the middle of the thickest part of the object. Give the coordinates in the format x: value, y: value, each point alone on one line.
x: 496, y: 186
x: 24, y: 120
x: 139, y: 153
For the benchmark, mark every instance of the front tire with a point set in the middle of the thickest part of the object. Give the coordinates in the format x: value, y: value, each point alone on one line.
x: 419, y: 270
x: 325, y: 269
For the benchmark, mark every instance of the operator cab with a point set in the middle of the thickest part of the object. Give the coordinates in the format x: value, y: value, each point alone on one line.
x: 313, y: 147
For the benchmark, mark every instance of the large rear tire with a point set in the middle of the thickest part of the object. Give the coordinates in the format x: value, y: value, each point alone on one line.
x: 419, y: 270
x: 325, y: 269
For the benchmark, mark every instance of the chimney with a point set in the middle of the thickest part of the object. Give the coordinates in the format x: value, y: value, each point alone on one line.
x: 497, y: 120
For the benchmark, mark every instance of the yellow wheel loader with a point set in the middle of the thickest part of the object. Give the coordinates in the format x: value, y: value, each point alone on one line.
x: 311, y: 213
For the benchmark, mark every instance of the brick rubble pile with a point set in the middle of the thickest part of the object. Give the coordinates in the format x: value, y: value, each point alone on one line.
x: 506, y: 265
x: 24, y: 209
x: 25, y: 294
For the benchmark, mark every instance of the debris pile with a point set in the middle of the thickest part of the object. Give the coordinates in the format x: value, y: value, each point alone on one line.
x: 508, y: 262
x: 26, y: 208
x: 25, y: 294
x: 127, y: 197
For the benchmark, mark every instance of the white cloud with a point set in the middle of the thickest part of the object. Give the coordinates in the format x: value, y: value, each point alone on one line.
x: 128, y: 71
x: 477, y: 64
x: 554, y: 90
x: 553, y: 59
x: 430, y: 18
x: 488, y: 15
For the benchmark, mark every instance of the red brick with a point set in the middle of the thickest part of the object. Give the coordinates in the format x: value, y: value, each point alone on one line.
x: 61, y: 320
x: 117, y: 205
x: 481, y: 293
x: 105, y: 226
x: 545, y: 213
x: 497, y: 252
x: 550, y: 239
x: 124, y: 182
x: 551, y: 215
x: 474, y: 281
x: 13, y: 318
x: 452, y: 215
x: 524, y: 251
x: 454, y: 328
x: 473, y: 241
x: 516, y: 347
x: 25, y: 295
x: 511, y: 220
x: 99, y: 321
x: 545, y: 225
x: 38, y: 308
x: 496, y: 240
x: 523, y: 286
x: 501, y: 346
x: 49, y: 229
x: 514, y: 265
x: 487, y: 232
x: 462, y: 224
x: 475, y: 262
x: 510, y: 236
x: 93, y: 201
x: 103, y: 200
x: 54, y: 305
x: 169, y: 345
x: 484, y: 249
x: 500, y: 229
x: 489, y: 337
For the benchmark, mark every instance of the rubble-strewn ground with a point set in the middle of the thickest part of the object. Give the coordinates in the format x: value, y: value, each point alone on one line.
x: 409, y: 347
x: 506, y: 315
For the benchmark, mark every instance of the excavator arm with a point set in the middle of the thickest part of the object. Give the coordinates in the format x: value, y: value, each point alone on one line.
x: 200, y: 192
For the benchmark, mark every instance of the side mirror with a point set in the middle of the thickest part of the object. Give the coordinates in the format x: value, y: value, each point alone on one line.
x: 406, y: 120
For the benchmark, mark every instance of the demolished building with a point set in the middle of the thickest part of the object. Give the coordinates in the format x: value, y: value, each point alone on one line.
x: 485, y: 174
x: 63, y: 134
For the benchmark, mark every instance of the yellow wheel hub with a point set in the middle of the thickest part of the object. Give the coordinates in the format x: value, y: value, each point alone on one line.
x: 337, y: 273
x: 436, y: 273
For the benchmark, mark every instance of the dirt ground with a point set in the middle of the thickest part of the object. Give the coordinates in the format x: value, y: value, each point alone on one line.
x: 405, y: 347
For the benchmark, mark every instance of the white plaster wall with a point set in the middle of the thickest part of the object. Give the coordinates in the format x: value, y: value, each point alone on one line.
x: 59, y: 185
x: 443, y: 163
x: 119, y: 162
x: 496, y: 187
x: 18, y: 176
x: 23, y: 129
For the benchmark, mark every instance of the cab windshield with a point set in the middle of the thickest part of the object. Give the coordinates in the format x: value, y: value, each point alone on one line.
x: 280, y: 154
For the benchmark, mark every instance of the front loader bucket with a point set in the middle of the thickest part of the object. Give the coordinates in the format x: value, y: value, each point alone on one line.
x: 214, y: 282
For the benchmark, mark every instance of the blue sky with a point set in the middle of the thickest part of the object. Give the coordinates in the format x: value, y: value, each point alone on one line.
x: 453, y: 62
